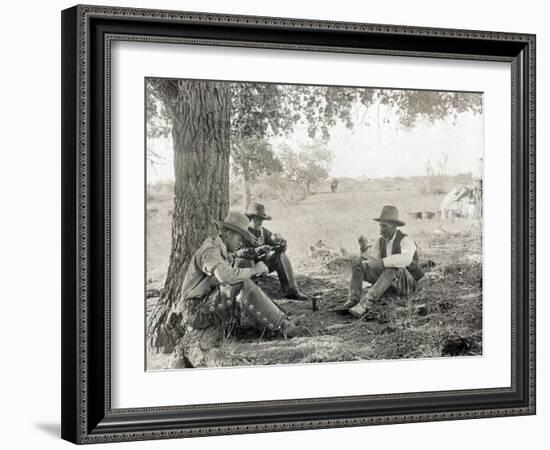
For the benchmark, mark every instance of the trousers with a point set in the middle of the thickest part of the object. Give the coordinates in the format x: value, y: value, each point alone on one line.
x: 276, y: 262
x: 400, y: 279
x: 242, y: 304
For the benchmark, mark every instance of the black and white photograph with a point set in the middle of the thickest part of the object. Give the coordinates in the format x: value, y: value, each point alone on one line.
x: 298, y: 224
x: 275, y: 225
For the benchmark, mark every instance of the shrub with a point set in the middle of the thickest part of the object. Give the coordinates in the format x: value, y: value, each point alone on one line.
x: 275, y: 187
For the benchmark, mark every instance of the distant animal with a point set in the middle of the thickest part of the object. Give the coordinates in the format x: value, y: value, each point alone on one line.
x: 415, y: 215
x: 334, y: 185
x: 459, y: 202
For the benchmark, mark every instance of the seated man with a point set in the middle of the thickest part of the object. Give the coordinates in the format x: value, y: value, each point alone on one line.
x: 216, y: 296
x: 270, y: 249
x: 391, y: 262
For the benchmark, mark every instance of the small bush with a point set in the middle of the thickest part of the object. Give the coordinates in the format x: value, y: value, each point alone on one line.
x: 275, y: 187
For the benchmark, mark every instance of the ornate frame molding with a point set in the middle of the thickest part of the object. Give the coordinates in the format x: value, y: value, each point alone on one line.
x: 80, y: 60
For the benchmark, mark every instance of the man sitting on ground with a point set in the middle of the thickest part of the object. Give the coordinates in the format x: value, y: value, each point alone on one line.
x: 392, y: 262
x: 270, y: 249
x: 217, y: 296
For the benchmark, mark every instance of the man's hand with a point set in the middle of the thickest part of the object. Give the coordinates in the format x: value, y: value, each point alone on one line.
x: 281, y: 243
x: 263, y: 249
x: 247, y: 253
x: 260, y: 268
x: 363, y: 246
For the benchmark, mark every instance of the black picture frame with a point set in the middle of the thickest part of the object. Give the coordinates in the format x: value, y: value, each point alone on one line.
x: 87, y: 416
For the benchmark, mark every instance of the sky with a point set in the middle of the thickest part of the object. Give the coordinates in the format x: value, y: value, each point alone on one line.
x: 378, y: 148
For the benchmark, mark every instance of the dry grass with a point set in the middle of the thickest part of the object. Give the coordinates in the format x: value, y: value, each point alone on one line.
x: 446, y: 306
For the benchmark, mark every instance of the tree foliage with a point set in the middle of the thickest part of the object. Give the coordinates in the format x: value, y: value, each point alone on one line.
x: 309, y: 165
x: 321, y: 107
x: 410, y: 106
x: 252, y: 158
x: 260, y: 111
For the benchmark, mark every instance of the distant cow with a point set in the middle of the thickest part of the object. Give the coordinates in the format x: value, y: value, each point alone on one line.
x: 334, y: 185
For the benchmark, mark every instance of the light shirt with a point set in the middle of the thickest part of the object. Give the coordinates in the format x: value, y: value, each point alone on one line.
x: 399, y: 260
x: 209, y: 267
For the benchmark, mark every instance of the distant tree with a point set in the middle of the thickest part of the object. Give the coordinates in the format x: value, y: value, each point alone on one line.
x: 158, y: 124
x: 436, y: 174
x: 307, y: 166
x: 252, y: 158
x: 259, y: 111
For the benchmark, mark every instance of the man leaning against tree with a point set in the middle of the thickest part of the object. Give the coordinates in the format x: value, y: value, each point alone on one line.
x: 218, y: 297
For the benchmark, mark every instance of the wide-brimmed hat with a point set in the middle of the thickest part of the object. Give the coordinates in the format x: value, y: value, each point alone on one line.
x: 258, y: 210
x: 238, y: 222
x: 390, y: 214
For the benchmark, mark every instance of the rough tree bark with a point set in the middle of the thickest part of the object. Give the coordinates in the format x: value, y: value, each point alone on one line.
x: 247, y: 186
x: 200, y: 115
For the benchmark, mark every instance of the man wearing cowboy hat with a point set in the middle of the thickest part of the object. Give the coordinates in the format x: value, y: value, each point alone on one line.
x: 218, y: 295
x: 272, y: 249
x: 392, y: 261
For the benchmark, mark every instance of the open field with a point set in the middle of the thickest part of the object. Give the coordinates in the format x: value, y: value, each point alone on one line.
x: 444, y: 317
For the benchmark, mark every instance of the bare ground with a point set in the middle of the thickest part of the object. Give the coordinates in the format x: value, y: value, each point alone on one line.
x: 443, y: 318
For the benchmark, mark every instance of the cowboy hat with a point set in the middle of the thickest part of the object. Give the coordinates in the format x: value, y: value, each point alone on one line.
x: 390, y: 214
x: 237, y: 222
x: 258, y: 210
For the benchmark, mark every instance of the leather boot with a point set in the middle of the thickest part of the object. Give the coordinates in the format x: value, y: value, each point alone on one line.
x: 260, y: 307
x: 355, y: 288
x: 385, y: 280
x: 344, y: 307
x: 362, y: 307
x: 287, y: 279
x: 292, y: 328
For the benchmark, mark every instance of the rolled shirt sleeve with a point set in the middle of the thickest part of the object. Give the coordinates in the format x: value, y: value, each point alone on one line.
x: 403, y: 259
x: 212, y: 262
x: 372, y: 252
x: 227, y: 274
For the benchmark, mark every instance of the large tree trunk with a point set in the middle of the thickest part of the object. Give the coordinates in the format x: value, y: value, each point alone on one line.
x: 247, y: 186
x: 200, y: 113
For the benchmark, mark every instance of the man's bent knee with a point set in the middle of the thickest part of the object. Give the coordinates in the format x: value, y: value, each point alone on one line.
x: 230, y: 291
x: 246, y: 284
x: 357, y: 264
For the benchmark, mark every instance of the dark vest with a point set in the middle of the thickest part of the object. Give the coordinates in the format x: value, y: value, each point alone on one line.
x: 260, y: 236
x: 414, y: 266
